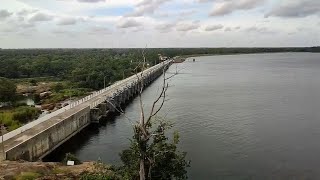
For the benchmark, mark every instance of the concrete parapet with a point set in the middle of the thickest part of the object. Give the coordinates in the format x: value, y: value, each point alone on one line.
x: 33, y: 148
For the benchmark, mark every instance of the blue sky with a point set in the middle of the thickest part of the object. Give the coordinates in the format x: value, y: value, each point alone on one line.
x: 158, y: 23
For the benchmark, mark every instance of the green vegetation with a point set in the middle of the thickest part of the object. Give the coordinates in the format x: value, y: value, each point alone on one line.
x: 165, y: 162
x: 14, y: 118
x: 88, y: 68
x: 101, y: 172
x: 7, y: 90
x: 71, y: 157
x: 65, y: 94
x: 27, y: 176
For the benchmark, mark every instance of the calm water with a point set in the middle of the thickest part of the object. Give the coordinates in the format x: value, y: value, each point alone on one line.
x: 239, y: 116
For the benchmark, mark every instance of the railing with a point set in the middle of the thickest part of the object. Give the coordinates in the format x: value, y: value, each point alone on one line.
x: 78, y: 102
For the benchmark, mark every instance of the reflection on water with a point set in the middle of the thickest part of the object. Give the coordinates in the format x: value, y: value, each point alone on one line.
x: 239, y: 116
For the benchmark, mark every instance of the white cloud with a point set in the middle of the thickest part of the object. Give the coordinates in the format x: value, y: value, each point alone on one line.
x: 91, y: 1
x: 128, y: 23
x: 187, y: 26
x: 98, y: 30
x: 4, y: 14
x: 40, y: 17
x: 255, y: 29
x: 213, y: 27
x: 147, y: 7
x: 165, y: 27
x: 67, y: 21
x: 227, y: 7
x: 295, y: 8
x: 227, y: 29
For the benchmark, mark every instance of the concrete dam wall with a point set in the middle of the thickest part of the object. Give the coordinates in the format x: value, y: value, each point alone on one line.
x: 40, y: 139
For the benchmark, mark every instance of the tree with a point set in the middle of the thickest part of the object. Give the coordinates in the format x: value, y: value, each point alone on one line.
x: 162, y: 159
x: 151, y: 155
x: 7, y: 90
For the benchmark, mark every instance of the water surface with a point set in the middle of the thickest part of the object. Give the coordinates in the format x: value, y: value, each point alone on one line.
x: 239, y: 116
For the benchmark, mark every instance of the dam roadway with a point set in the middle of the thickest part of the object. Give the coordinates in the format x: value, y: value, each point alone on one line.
x: 37, y: 139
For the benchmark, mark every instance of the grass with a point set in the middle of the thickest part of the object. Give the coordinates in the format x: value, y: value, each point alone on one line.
x: 60, y: 171
x: 27, y: 176
x: 13, y: 118
x: 65, y: 94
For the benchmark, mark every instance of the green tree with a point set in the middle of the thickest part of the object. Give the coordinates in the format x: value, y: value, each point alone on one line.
x: 7, y: 90
x: 163, y: 160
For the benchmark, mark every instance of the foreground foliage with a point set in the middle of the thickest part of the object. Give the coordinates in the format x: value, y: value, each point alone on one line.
x: 163, y: 159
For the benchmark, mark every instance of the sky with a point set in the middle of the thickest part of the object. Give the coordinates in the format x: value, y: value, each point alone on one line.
x: 158, y: 23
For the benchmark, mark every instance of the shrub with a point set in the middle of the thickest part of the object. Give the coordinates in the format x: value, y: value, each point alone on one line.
x: 33, y: 82
x: 58, y: 87
x: 71, y: 157
x: 92, y: 176
x: 36, y: 98
x: 24, y: 114
x: 27, y: 176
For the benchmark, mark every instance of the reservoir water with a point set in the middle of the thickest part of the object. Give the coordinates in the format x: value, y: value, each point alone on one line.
x: 251, y: 116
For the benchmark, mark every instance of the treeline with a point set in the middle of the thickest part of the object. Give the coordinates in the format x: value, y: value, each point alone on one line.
x: 90, y: 67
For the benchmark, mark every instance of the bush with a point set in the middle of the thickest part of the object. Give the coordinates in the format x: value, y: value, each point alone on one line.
x: 27, y: 176
x: 92, y: 176
x: 7, y: 119
x: 71, y: 157
x: 24, y: 114
x: 101, y: 172
x: 17, y: 104
x: 33, y: 82
x: 58, y: 87
x: 36, y: 98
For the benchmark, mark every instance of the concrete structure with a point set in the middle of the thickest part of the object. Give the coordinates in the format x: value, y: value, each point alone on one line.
x: 39, y: 138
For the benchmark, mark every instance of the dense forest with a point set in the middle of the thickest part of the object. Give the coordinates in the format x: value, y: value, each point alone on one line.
x: 90, y: 67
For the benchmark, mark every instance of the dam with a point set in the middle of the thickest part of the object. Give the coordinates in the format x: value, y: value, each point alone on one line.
x: 38, y: 138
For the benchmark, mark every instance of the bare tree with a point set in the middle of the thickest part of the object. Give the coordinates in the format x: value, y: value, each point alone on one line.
x: 141, y: 129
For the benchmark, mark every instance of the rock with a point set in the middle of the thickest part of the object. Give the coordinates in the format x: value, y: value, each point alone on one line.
x: 45, y: 94
x: 58, y: 105
x: 48, y: 106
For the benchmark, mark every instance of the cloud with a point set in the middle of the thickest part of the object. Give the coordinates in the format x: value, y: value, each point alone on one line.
x: 26, y: 25
x: 8, y: 29
x: 294, y: 8
x: 90, y: 1
x: 128, y: 23
x: 227, y: 29
x: 67, y: 21
x: 227, y: 7
x: 98, y: 30
x: 25, y: 12
x: 187, y: 26
x: 40, y: 17
x: 255, y: 29
x: 4, y: 14
x: 187, y: 13
x: 213, y: 27
x: 165, y: 27
x: 146, y: 7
